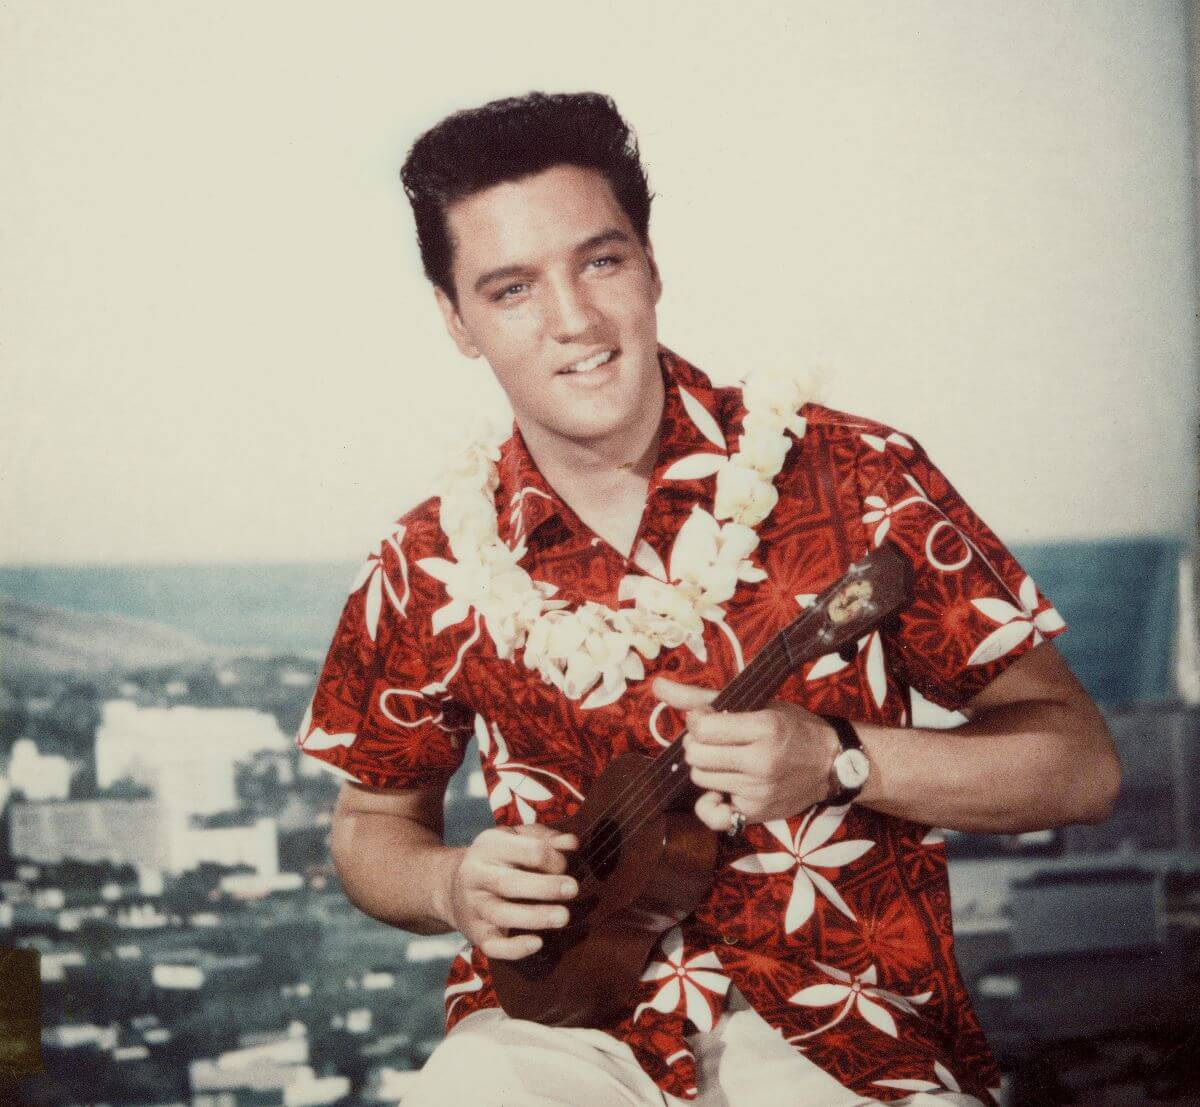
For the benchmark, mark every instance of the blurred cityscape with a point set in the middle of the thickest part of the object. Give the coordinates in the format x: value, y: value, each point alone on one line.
x: 166, y: 856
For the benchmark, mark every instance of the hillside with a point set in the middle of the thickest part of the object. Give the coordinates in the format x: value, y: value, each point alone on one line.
x: 38, y: 641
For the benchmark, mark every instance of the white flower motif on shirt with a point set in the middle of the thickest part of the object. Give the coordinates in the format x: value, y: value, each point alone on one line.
x: 859, y: 992
x: 514, y: 780
x: 806, y: 852
x: 375, y: 577
x: 455, y: 992
x: 881, y: 511
x: 1016, y: 624
x: 517, y: 506
x: 944, y: 1082
x: 870, y: 644
x: 705, y: 463
x: 879, y: 444
x: 309, y: 737
x: 690, y: 981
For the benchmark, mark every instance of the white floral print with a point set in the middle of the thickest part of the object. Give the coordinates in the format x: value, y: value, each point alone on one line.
x: 858, y: 992
x: 375, y: 577
x: 687, y: 981
x: 944, y: 1082
x: 514, y: 781
x: 1016, y: 624
x: 806, y: 852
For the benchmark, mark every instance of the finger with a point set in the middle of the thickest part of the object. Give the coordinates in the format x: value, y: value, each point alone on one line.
x: 734, y: 728
x: 526, y: 852
x: 714, y: 811
x: 729, y: 783
x: 684, y: 696
x: 515, y: 884
x: 712, y: 758
x: 501, y: 948
x: 525, y: 916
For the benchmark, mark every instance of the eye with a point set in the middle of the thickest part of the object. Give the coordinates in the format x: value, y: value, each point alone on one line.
x: 606, y: 262
x: 511, y: 292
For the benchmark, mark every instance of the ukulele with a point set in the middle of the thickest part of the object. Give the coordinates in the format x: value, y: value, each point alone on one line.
x: 644, y: 860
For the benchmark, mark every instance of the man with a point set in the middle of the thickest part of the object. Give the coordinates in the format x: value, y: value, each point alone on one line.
x: 641, y: 525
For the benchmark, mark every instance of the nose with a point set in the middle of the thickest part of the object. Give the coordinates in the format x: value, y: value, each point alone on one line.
x: 571, y: 312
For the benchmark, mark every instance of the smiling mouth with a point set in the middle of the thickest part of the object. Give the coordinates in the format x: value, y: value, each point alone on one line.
x: 589, y: 363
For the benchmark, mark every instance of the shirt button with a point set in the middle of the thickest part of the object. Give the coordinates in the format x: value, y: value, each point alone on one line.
x: 728, y: 939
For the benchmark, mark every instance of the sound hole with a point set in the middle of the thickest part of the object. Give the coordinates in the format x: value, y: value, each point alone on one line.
x: 601, y: 848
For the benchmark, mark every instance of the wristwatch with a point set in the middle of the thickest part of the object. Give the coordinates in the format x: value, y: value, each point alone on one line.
x: 851, y: 767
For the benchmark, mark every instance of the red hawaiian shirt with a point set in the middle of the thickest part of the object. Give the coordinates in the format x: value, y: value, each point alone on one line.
x: 834, y: 924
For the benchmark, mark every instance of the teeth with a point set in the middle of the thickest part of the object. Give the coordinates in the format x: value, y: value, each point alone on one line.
x: 593, y: 362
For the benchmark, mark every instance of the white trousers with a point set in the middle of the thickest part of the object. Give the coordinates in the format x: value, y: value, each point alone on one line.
x: 491, y: 1060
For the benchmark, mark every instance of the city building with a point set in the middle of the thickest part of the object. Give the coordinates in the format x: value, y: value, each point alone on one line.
x: 35, y: 776
x: 138, y: 830
x: 185, y: 754
x: 119, y: 829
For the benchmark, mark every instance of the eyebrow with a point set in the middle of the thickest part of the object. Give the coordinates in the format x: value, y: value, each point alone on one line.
x: 613, y: 234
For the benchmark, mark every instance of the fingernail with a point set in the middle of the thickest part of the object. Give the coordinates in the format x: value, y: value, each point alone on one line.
x: 534, y: 943
x: 568, y: 888
x: 561, y: 917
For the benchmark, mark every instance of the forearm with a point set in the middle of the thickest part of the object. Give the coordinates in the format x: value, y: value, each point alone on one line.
x: 396, y: 869
x: 1012, y: 768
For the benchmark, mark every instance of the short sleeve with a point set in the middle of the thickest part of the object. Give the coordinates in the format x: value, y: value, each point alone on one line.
x: 974, y: 610
x: 373, y: 718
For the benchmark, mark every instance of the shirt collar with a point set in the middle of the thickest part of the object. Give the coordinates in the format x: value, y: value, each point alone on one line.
x: 526, y: 500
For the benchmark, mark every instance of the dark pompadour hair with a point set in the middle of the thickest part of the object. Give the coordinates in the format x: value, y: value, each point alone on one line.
x: 506, y: 140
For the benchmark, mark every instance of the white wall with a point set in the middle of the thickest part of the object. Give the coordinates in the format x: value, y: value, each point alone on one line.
x: 975, y: 218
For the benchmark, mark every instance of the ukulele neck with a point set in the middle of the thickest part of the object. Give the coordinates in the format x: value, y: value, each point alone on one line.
x: 871, y: 592
x: 751, y: 690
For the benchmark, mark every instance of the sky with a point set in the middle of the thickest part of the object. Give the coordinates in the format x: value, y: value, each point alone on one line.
x: 972, y: 222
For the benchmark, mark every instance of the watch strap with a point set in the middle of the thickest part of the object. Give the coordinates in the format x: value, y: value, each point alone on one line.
x: 848, y: 739
x: 847, y: 735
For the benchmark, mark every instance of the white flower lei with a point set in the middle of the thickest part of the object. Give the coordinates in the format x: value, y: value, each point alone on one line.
x: 596, y: 649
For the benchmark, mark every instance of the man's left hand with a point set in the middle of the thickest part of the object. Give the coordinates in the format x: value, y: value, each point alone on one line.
x: 769, y: 764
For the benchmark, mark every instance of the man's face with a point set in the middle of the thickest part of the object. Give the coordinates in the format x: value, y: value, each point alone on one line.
x: 551, y: 278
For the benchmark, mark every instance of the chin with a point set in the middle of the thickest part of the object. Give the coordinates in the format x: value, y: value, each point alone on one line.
x: 593, y: 430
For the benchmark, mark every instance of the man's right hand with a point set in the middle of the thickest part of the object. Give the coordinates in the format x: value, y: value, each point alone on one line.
x: 511, y: 879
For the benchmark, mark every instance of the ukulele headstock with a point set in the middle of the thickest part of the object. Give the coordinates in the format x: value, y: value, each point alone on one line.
x: 871, y: 592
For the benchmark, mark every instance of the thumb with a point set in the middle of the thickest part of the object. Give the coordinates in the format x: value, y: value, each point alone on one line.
x: 686, y: 697
x: 715, y: 811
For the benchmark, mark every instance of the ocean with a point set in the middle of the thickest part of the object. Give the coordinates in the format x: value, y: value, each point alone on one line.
x: 1117, y: 596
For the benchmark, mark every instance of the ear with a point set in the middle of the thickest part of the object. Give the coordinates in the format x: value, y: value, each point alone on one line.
x: 654, y: 273
x: 454, y: 324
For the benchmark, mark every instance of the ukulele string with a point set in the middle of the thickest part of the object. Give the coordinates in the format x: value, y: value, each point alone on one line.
x: 644, y: 805
x: 754, y: 690
x: 643, y: 798
x: 775, y: 671
x: 781, y: 639
x: 644, y: 787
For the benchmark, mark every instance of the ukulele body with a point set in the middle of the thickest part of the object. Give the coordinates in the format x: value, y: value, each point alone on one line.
x: 645, y: 861
x: 640, y: 871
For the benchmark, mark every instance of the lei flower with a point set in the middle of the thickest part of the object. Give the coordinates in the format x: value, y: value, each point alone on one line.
x: 592, y: 651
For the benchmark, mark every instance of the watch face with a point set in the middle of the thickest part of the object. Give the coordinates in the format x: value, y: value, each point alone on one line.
x: 852, y: 768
